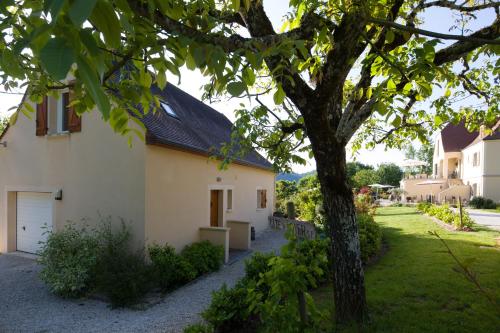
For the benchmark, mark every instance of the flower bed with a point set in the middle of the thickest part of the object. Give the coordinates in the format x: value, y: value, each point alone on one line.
x: 446, y: 215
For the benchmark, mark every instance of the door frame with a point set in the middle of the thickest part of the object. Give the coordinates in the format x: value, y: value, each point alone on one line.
x: 10, y: 213
x: 224, y: 189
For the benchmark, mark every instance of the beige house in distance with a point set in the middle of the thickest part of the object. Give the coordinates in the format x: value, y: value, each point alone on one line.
x: 60, y: 167
x: 465, y: 164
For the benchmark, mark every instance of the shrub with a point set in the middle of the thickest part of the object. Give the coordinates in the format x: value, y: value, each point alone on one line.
x: 308, y: 252
x: 370, y: 236
x: 228, y: 311
x: 423, y: 206
x: 170, y: 269
x: 258, y: 264
x: 482, y: 203
x: 68, y: 260
x: 204, y: 257
x: 445, y: 214
x: 122, y: 275
x: 364, y: 205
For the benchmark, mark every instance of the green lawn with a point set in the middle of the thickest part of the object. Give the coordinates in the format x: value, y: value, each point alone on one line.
x: 413, y: 287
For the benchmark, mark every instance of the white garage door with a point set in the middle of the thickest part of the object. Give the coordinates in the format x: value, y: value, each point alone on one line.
x: 34, y: 219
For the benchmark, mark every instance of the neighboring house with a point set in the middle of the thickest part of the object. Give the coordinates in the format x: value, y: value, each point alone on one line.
x: 60, y: 167
x: 465, y: 164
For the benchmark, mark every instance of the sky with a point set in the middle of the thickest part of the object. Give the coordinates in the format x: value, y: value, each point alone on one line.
x: 438, y: 20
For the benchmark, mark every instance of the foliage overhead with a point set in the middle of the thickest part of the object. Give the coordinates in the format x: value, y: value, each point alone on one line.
x: 385, y: 66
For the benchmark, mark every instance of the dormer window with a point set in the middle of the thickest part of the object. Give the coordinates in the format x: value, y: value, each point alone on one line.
x: 168, y: 109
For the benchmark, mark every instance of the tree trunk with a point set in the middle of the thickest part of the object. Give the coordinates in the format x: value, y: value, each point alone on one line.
x: 348, y: 275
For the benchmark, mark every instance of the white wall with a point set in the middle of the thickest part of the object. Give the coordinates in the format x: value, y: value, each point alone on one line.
x: 95, y: 169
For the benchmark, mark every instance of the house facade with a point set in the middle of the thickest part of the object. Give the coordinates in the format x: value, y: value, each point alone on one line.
x: 465, y: 164
x: 56, y: 169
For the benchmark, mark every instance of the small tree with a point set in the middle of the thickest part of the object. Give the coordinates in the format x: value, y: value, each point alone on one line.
x: 366, y: 177
x: 390, y: 174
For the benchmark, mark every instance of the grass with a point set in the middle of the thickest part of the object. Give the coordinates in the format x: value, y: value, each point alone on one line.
x: 413, y: 288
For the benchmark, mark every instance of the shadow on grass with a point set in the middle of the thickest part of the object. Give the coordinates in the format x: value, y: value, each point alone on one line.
x: 414, y: 287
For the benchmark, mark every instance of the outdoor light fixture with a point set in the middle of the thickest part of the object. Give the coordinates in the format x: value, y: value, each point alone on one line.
x: 58, y: 195
x: 4, y: 144
x: 219, y: 179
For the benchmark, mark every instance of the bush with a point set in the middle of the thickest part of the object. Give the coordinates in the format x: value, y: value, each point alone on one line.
x: 482, y: 203
x: 370, y: 236
x: 170, y: 269
x: 423, y: 206
x: 258, y: 264
x: 68, y: 260
x: 308, y: 252
x: 204, y: 257
x: 228, y: 310
x: 445, y: 214
x: 122, y: 275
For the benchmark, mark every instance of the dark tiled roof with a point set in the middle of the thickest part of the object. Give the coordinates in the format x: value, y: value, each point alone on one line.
x: 456, y: 137
x: 198, y: 127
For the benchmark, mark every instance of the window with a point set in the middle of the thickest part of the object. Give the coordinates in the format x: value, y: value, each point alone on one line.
x: 168, y: 109
x: 475, y: 160
x: 261, y: 199
x: 229, y: 199
x: 55, y: 115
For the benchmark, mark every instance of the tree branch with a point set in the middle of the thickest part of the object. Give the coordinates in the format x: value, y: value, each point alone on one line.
x: 470, y: 38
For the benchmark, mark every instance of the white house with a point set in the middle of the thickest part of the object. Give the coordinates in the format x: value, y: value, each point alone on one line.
x: 465, y: 164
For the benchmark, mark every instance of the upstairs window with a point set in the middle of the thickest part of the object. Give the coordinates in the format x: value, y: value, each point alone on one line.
x: 229, y: 199
x: 475, y: 159
x: 261, y: 199
x: 55, y: 115
x: 168, y: 109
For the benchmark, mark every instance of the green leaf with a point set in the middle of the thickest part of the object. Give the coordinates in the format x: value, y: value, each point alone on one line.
x: 235, y: 5
x: 236, y: 88
x: 369, y: 92
x: 391, y: 85
x: 161, y: 79
x: 53, y: 7
x: 57, y: 58
x: 279, y: 95
x: 80, y: 10
x: 91, y: 82
x: 407, y: 88
x: 104, y: 19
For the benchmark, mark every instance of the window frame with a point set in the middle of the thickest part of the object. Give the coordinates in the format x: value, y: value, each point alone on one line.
x: 258, y: 192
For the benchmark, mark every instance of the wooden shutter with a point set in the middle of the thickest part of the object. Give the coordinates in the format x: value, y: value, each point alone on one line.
x: 41, y: 118
x: 74, y: 121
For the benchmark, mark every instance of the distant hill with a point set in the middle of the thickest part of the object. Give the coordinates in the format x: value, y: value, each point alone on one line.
x: 294, y: 177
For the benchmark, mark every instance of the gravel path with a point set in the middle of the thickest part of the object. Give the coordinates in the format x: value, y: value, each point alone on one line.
x: 27, y: 306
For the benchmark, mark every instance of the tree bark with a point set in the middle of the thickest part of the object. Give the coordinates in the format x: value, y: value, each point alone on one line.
x: 348, y: 274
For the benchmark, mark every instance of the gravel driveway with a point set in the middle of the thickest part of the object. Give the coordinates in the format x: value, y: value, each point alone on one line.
x: 27, y: 306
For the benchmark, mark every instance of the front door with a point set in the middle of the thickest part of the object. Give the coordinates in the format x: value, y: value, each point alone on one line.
x: 214, y: 208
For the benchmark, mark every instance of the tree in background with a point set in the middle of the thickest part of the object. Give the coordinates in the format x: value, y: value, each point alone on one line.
x: 389, y: 174
x: 285, y: 191
x: 338, y: 72
x: 425, y: 153
x: 352, y: 168
x: 365, y: 177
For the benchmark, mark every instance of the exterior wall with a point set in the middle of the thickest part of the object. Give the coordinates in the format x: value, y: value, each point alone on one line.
x: 412, y: 189
x: 473, y: 175
x: 437, y: 160
x: 178, y: 188
x: 96, y: 170
x: 491, y: 175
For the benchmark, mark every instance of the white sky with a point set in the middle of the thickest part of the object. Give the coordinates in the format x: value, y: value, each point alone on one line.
x: 436, y: 20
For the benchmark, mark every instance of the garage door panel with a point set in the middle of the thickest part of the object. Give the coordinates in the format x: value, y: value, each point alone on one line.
x: 34, y: 219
